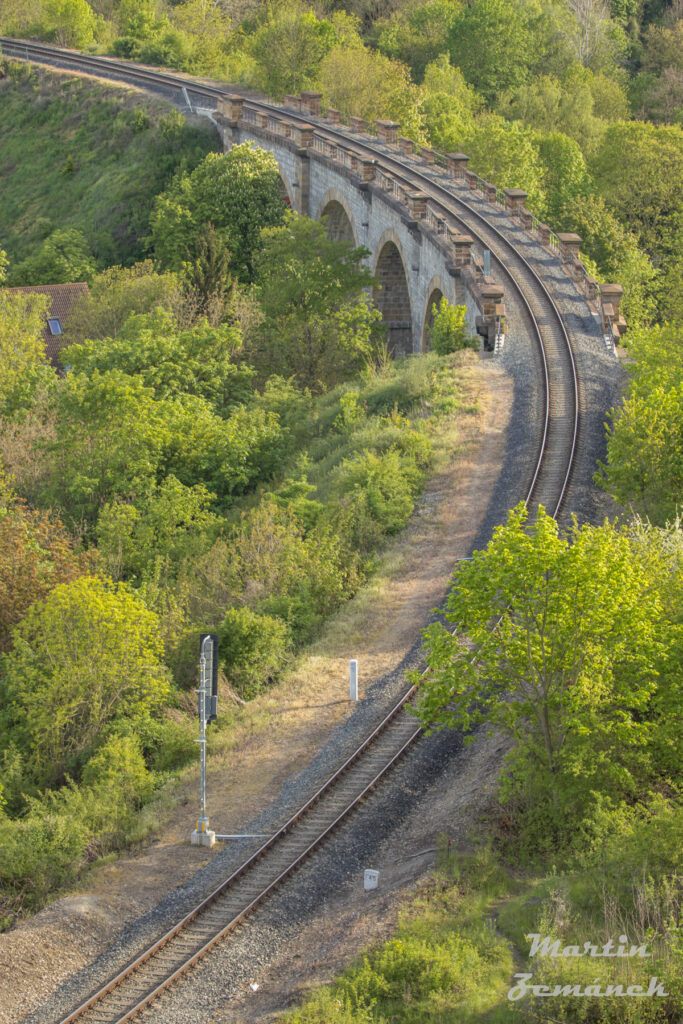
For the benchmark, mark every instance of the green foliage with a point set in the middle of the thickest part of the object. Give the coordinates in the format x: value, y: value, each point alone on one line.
x: 506, y: 153
x: 490, y: 40
x: 382, y: 487
x: 36, y: 553
x: 70, y: 23
x: 416, y: 34
x: 88, y: 653
x: 317, y: 326
x: 138, y: 542
x: 566, y: 175
x: 238, y: 193
x: 290, y: 46
x: 449, y: 331
x: 45, y: 117
x: 62, y: 258
x: 449, y: 105
x: 22, y: 348
x: 645, y: 437
x: 578, y: 632
x: 253, y: 649
x: 116, y: 294
x: 616, y: 253
x: 366, y: 84
x: 637, y: 169
x: 153, y: 351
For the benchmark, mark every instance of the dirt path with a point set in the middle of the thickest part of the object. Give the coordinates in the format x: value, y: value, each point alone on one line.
x: 280, y: 733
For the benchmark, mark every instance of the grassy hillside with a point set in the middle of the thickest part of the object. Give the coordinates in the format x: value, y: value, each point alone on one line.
x: 75, y: 153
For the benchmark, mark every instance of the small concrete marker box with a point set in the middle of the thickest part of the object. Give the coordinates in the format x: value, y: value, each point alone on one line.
x: 370, y: 879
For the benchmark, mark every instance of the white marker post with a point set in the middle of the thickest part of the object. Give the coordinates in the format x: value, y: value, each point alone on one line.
x: 353, y: 679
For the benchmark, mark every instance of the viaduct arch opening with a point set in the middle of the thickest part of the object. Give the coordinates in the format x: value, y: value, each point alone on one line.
x: 435, y: 297
x: 392, y: 299
x: 338, y: 223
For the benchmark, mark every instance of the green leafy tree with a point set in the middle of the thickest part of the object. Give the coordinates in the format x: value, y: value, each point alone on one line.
x: 71, y: 22
x: 449, y: 105
x: 4, y: 263
x: 417, y: 34
x: 63, y: 258
x: 253, y: 649
x: 360, y: 82
x: 449, y: 331
x: 117, y: 293
x: 86, y: 655
x: 615, y: 252
x: 152, y: 349
x: 563, y: 633
x: 317, y: 325
x: 506, y: 153
x: 645, y: 437
x: 108, y: 441
x: 290, y: 46
x: 36, y: 553
x: 22, y: 348
x: 150, y: 540
x: 238, y: 192
x: 491, y: 42
x: 209, y: 276
x: 566, y: 175
x: 637, y: 170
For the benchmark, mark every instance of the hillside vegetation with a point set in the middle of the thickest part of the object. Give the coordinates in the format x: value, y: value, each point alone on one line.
x: 80, y: 163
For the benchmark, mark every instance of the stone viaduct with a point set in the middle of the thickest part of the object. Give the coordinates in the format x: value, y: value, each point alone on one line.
x: 414, y: 254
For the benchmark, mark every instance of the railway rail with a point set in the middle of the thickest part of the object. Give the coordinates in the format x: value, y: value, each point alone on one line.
x: 137, y: 986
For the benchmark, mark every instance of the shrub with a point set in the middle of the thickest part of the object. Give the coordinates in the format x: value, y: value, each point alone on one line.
x: 253, y: 649
x: 449, y: 332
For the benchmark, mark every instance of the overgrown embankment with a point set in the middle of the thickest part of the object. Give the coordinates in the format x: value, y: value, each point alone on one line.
x: 77, y: 155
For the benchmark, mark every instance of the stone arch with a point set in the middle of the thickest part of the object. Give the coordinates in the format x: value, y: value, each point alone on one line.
x: 286, y: 192
x: 435, y: 292
x: 340, y: 225
x: 392, y: 297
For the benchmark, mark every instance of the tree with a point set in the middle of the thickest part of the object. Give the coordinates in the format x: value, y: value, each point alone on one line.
x: 290, y: 46
x: 596, y: 40
x: 4, y: 263
x: 449, y: 105
x: 562, y: 634
x: 86, y: 655
x: 416, y: 35
x: 108, y: 441
x: 615, y: 253
x: 449, y: 331
x: 491, y: 42
x: 22, y: 348
x: 209, y: 276
x: 153, y: 350
x: 71, y: 22
x: 317, y: 325
x: 506, y: 153
x: 64, y: 257
x: 36, y: 553
x: 366, y: 84
x: 637, y: 169
x: 238, y: 192
x: 645, y: 437
x: 117, y: 293
x: 566, y: 175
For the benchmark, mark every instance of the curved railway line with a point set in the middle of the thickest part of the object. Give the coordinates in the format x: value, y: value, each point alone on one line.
x: 136, y: 986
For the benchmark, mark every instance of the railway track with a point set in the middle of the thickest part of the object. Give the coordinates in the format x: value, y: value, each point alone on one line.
x: 137, y: 986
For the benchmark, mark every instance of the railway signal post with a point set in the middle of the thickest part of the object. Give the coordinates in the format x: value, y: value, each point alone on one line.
x: 207, y: 699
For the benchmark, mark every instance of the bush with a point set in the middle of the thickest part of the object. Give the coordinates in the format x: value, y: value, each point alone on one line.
x: 388, y: 484
x: 253, y: 649
x: 449, y: 332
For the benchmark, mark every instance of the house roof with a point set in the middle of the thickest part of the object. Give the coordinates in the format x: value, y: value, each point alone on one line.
x: 62, y: 299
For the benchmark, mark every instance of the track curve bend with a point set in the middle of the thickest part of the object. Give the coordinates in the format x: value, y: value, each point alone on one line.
x: 160, y: 966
